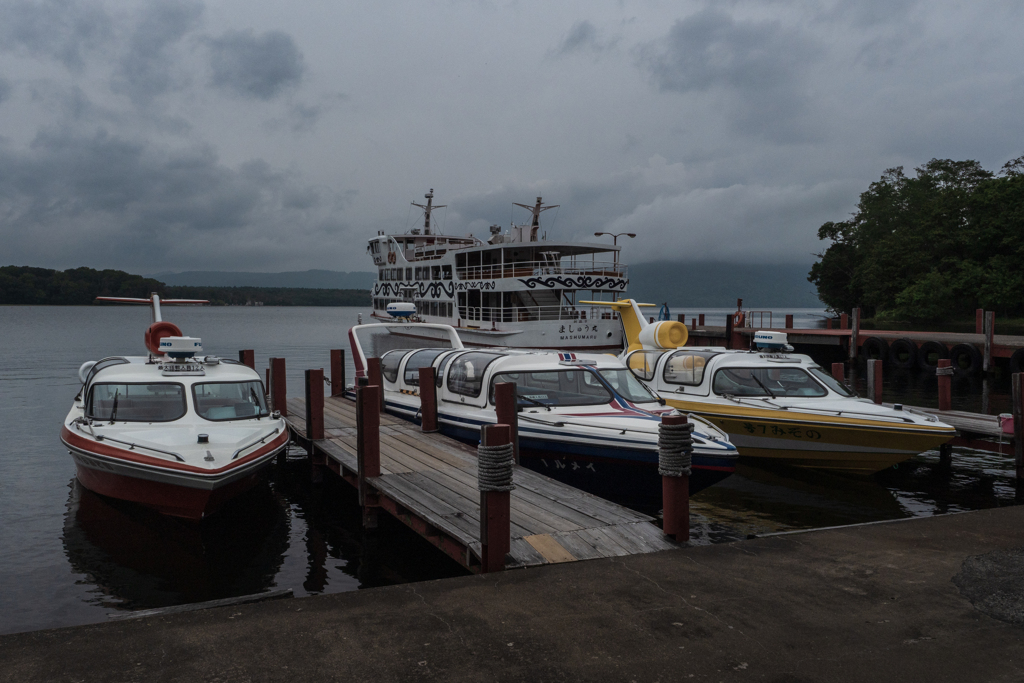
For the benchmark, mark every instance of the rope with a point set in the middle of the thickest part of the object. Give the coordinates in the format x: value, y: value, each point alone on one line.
x: 494, y: 471
x: 675, y: 446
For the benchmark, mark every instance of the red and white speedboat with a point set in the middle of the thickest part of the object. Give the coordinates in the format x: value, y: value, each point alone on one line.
x: 172, y: 430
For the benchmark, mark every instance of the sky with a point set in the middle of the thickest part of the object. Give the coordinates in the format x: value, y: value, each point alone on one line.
x: 255, y: 135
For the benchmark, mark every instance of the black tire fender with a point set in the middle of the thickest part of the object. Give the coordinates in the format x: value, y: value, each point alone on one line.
x: 927, y: 349
x: 903, y: 354
x: 966, y: 358
x: 875, y: 348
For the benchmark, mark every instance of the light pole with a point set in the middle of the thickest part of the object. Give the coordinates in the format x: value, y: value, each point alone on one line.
x: 615, y: 240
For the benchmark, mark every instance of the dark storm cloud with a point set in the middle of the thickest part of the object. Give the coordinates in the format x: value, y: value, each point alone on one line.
x: 60, y: 29
x: 259, y: 67
x: 148, y: 68
x: 582, y: 37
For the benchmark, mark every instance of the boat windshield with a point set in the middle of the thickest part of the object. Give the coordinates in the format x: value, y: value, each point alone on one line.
x: 420, y: 359
x: 774, y: 382
x: 219, y: 401
x: 555, y: 388
x: 627, y: 386
x: 389, y: 363
x: 158, y: 402
x: 831, y: 382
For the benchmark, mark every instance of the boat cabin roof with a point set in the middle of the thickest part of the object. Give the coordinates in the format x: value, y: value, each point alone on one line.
x: 135, y: 369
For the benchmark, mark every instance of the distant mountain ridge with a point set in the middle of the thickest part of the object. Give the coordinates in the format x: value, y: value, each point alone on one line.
x: 698, y: 284
x: 308, y: 279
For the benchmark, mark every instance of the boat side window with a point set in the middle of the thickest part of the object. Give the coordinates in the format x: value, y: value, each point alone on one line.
x: 643, y: 363
x: 830, y: 382
x: 389, y: 363
x: 439, y: 377
x: 777, y: 382
x: 626, y: 385
x: 221, y: 401
x: 466, y: 375
x: 420, y: 359
x: 105, y: 363
x: 686, y: 367
x: 557, y: 388
x: 156, y: 402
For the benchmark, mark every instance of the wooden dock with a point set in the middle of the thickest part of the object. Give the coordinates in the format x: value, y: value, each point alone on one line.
x: 429, y: 482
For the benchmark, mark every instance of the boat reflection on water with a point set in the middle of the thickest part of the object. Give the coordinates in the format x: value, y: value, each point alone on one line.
x: 140, y: 559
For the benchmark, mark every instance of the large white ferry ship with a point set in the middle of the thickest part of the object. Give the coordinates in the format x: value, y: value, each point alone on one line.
x: 516, y: 289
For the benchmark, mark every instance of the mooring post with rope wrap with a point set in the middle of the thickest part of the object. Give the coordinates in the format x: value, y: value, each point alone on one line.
x: 367, y: 449
x: 675, y: 448
x: 376, y: 379
x: 428, y: 400
x: 337, y: 372
x: 944, y: 373
x: 506, y: 410
x: 494, y: 480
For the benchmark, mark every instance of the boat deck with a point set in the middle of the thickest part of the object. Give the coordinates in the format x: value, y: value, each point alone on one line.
x: 429, y: 482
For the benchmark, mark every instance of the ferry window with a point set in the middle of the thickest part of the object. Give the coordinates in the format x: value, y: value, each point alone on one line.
x: 230, y: 400
x: 408, y: 273
x: 420, y: 359
x: 157, y: 402
x: 643, y: 363
x: 627, y: 386
x: 775, y: 382
x: 466, y: 375
x: 435, y: 272
x: 419, y: 273
x: 557, y: 388
x: 446, y: 272
x: 831, y: 382
x: 389, y: 363
x: 433, y: 308
x: 686, y: 367
x: 449, y: 307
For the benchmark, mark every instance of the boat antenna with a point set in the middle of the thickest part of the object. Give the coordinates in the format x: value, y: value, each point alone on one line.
x: 535, y: 211
x: 427, y: 208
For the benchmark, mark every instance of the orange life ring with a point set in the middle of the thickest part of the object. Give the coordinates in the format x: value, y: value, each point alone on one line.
x: 156, y: 332
x: 738, y: 318
x: 391, y: 257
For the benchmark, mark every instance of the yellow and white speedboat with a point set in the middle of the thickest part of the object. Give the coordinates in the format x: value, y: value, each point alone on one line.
x: 774, y: 403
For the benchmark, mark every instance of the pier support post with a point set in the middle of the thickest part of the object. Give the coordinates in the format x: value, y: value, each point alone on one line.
x: 507, y: 411
x: 1017, y: 383
x: 375, y: 377
x: 674, y: 451
x: 700, y: 319
x: 789, y: 321
x: 247, y: 357
x: 854, y: 332
x: 314, y: 405
x: 839, y: 372
x: 278, y: 386
x: 944, y: 373
x: 495, y: 504
x: 979, y: 321
x: 368, y: 449
x: 875, y: 380
x: 990, y: 332
x: 337, y: 372
x: 728, y: 331
x: 844, y: 321
x: 946, y: 454
x: 428, y: 400
x: 828, y: 323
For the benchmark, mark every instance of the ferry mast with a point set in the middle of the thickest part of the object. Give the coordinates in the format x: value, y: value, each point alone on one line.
x: 429, y: 206
x: 535, y: 211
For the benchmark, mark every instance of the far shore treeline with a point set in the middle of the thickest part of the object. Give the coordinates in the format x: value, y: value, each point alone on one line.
x: 26, y: 285
x: 932, y: 247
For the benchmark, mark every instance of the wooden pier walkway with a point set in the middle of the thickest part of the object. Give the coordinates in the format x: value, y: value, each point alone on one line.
x: 429, y: 482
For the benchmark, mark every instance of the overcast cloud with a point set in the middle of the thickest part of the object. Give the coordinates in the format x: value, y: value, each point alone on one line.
x: 176, y: 134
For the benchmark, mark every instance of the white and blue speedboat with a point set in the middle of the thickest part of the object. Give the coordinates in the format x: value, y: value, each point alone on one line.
x: 584, y: 411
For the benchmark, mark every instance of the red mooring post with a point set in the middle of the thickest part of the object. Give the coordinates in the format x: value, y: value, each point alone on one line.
x: 428, y: 400
x: 278, y: 386
x: 247, y: 357
x: 315, y: 404
x: 693, y: 323
x: 944, y: 373
x: 789, y: 321
x: 266, y: 385
x: 700, y: 319
x: 728, y: 331
x: 376, y: 379
x: 828, y: 323
x: 875, y: 380
x: 675, y: 496
x: 507, y: 411
x: 979, y: 321
x: 1017, y: 383
x: 839, y: 372
x: 844, y: 321
x: 337, y: 372
x: 368, y: 449
x: 495, y: 510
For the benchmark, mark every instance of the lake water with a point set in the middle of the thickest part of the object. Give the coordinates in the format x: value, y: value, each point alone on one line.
x: 72, y: 557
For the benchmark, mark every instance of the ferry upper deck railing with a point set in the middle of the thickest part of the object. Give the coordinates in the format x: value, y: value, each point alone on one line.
x: 541, y: 269
x: 513, y: 314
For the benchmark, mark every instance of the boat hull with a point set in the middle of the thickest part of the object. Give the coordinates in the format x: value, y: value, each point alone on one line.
x: 179, y: 491
x: 804, y: 440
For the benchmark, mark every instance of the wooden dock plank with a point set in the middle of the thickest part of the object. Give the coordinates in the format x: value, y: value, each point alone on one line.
x: 550, y: 549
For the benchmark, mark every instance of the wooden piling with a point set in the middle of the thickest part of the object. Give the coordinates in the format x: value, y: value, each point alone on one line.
x: 728, y: 331
x: 875, y: 380
x: 368, y: 449
x: 428, y: 400
x: 990, y: 331
x: 789, y: 321
x: 854, y: 332
x: 700, y: 318
x: 839, y: 372
x: 675, y: 496
x: 266, y: 385
x: 1017, y: 382
x: 844, y: 321
x: 337, y: 372
x: 495, y: 510
x: 315, y: 404
x: 944, y: 373
x: 979, y: 321
x: 247, y: 357
x: 375, y: 377
x: 828, y: 323
x: 278, y: 386
x: 693, y: 323
x: 507, y: 411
